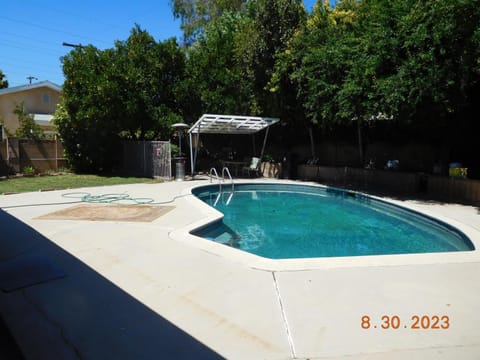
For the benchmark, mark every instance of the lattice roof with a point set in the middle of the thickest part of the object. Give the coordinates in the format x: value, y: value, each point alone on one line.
x: 231, y: 124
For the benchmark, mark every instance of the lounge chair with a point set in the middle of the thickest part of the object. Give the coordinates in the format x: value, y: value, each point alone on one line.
x: 254, y: 167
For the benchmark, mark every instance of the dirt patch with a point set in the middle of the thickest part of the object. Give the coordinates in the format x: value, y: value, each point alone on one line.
x: 109, y: 212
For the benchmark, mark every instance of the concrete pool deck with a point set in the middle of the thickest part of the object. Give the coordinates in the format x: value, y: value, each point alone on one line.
x: 149, y: 290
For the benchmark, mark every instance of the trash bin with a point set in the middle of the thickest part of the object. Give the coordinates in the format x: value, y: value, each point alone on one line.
x: 179, y: 168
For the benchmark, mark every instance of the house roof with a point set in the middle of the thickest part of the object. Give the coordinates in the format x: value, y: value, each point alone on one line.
x: 231, y: 124
x: 40, y: 84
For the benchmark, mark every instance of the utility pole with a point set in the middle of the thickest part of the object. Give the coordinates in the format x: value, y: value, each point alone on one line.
x: 30, y: 78
x: 76, y: 46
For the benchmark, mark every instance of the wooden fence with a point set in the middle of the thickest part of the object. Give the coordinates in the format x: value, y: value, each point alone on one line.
x: 42, y: 155
x: 434, y: 187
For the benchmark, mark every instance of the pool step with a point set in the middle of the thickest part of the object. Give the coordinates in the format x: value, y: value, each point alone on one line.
x: 224, y: 238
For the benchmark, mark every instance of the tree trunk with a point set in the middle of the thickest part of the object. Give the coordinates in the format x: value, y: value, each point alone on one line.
x: 360, y: 141
x: 312, y: 142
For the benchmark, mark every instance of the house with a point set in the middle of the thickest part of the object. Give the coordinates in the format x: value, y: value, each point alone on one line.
x: 40, y: 100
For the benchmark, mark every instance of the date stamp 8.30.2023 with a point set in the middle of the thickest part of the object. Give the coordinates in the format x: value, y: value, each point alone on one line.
x: 413, y: 322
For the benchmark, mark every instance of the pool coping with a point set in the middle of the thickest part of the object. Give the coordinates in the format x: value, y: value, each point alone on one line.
x: 257, y: 262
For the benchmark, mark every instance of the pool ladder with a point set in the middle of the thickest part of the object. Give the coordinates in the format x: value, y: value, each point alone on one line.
x: 221, y: 180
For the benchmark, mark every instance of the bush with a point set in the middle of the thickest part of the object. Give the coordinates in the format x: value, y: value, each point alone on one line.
x: 29, y: 171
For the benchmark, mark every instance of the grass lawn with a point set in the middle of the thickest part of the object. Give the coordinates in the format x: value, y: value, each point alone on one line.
x: 65, y: 181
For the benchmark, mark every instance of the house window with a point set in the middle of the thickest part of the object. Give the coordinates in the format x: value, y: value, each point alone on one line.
x: 46, y: 99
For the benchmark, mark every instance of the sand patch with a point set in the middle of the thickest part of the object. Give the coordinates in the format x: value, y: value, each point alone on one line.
x: 109, y: 212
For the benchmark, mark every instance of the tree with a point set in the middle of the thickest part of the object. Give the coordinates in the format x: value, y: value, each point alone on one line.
x: 274, y: 23
x: 196, y: 14
x: 414, y: 62
x: 28, y: 128
x: 215, y: 76
x: 372, y: 43
x: 421, y: 60
x: 316, y: 62
x: 3, y: 81
x: 440, y: 46
x: 148, y: 73
x: 125, y: 92
x: 232, y: 61
x: 90, y: 132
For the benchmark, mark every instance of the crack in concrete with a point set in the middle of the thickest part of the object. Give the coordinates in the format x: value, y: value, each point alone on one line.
x: 284, y: 318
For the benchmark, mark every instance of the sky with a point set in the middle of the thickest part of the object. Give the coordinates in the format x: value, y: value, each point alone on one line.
x: 32, y: 31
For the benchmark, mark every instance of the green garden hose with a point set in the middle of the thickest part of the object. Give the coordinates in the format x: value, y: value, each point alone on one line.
x: 107, y: 198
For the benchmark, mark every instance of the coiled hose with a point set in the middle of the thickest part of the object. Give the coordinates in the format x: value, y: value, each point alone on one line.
x: 107, y: 198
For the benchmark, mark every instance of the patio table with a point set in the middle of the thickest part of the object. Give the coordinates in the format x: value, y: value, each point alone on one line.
x: 236, y: 165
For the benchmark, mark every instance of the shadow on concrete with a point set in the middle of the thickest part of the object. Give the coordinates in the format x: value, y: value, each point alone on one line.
x: 82, y: 315
x: 8, y: 347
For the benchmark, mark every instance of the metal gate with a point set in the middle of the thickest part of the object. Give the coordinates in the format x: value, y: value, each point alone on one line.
x: 147, y: 159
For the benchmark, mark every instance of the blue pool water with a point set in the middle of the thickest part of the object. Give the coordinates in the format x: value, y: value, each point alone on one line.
x: 298, y: 221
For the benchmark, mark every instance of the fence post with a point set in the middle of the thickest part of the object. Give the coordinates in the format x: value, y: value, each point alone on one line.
x: 55, y: 137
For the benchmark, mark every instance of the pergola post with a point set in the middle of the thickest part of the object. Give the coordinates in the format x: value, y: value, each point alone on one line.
x: 192, y: 163
x: 264, y: 143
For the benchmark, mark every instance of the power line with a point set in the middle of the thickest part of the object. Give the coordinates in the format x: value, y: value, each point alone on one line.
x: 11, y: 35
x: 27, y: 70
x: 36, y: 33
x: 41, y: 71
x: 30, y: 47
x: 15, y: 62
x: 46, y: 28
x: 88, y: 20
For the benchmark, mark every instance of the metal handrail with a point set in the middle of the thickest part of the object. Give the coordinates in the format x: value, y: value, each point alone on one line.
x: 213, y: 172
x: 225, y: 170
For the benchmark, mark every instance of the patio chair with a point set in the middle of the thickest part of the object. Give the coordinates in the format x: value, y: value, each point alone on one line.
x: 254, y: 167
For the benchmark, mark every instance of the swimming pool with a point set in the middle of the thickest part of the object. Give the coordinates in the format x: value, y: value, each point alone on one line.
x: 280, y: 221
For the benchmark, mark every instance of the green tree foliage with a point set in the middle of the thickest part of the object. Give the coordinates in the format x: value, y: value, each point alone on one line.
x: 149, y: 75
x: 128, y: 91
x: 439, y: 59
x: 359, y: 62
x: 274, y: 23
x: 315, y: 64
x: 404, y: 58
x: 196, y: 14
x: 3, y: 81
x: 319, y: 59
x: 231, y: 63
x: 88, y: 119
x: 411, y: 61
x: 215, y: 74
x: 28, y: 128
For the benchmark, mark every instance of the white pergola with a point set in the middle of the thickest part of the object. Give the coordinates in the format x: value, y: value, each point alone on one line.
x: 227, y: 124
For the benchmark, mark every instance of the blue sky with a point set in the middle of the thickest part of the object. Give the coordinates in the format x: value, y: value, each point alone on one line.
x: 32, y: 31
